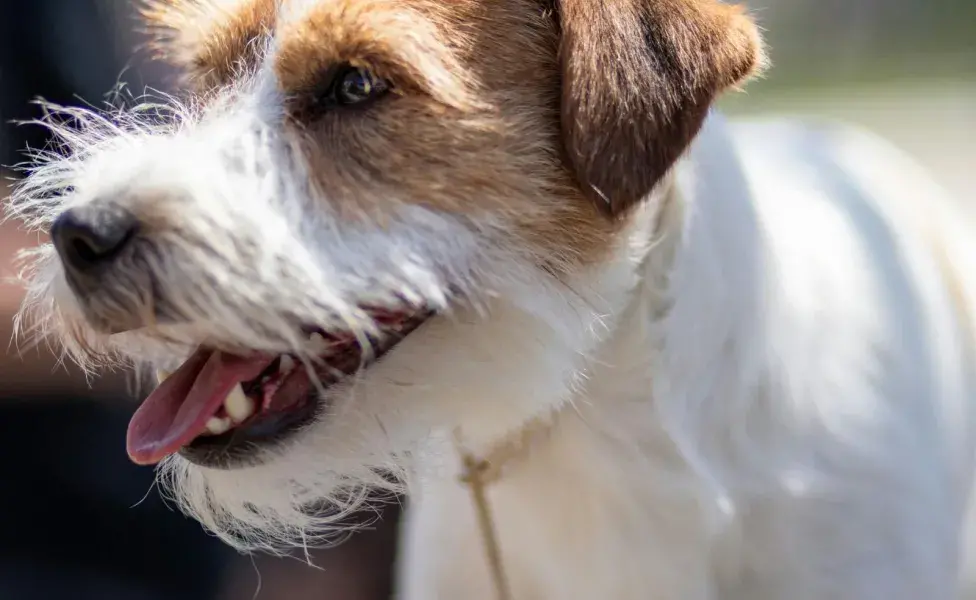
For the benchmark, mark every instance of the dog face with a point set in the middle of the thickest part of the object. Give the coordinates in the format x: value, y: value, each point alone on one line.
x: 369, y: 221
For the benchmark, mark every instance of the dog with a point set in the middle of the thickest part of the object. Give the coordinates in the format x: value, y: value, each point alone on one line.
x: 506, y: 257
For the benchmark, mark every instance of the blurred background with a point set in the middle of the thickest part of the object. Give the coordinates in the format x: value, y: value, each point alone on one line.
x: 78, y: 521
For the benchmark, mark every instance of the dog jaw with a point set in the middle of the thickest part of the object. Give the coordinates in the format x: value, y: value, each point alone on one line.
x: 257, y: 219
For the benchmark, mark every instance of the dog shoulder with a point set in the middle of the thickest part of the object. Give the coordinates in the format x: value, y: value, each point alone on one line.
x: 820, y: 336
x: 811, y: 285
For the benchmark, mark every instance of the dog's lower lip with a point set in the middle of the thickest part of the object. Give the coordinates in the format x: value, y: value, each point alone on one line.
x: 238, y: 447
x: 241, y: 446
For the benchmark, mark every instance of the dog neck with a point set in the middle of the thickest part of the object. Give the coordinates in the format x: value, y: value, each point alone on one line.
x: 477, y: 473
x: 635, y: 287
x: 490, y: 466
x: 481, y: 470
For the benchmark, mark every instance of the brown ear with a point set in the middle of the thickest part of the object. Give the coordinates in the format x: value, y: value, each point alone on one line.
x: 638, y: 79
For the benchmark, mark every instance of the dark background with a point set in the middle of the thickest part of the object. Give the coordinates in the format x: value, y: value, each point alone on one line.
x: 79, y: 522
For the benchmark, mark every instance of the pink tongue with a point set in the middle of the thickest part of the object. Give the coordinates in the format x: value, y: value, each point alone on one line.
x: 177, y: 411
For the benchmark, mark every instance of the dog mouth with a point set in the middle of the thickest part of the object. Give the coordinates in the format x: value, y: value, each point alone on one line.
x: 220, y: 409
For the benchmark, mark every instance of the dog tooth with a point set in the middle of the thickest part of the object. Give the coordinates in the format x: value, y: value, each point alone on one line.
x: 238, y: 406
x: 319, y: 344
x: 162, y: 375
x: 286, y: 364
x: 218, y: 425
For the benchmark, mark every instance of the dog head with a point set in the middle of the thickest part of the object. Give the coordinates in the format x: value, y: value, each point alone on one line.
x: 368, y: 221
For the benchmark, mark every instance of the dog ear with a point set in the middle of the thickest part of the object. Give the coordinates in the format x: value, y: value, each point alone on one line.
x: 638, y: 79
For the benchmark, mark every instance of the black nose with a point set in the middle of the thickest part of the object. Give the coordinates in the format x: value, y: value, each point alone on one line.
x: 89, y: 237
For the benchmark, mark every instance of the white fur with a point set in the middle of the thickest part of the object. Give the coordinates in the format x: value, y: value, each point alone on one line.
x: 766, y: 397
x: 791, y: 418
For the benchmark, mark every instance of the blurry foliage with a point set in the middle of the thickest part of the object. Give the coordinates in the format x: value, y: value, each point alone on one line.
x: 844, y: 42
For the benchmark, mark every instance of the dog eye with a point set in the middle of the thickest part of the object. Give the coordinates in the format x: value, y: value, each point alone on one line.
x: 355, y: 85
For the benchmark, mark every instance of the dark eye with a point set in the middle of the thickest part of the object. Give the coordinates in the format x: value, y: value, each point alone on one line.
x: 355, y: 85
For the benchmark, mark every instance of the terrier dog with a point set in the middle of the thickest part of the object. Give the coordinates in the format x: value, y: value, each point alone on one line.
x: 502, y: 255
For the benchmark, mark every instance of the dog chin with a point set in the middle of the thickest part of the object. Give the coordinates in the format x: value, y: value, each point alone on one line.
x: 357, y: 448
x: 283, y: 500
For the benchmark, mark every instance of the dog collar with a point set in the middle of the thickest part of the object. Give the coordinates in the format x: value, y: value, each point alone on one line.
x: 478, y: 473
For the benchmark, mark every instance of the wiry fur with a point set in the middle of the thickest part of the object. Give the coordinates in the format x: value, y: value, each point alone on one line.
x: 282, y: 238
x: 258, y: 237
x: 210, y: 40
x: 257, y: 217
x: 758, y: 378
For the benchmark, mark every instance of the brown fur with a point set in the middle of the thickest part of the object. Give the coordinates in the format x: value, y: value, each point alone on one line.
x: 505, y: 107
x: 639, y: 77
x: 212, y: 41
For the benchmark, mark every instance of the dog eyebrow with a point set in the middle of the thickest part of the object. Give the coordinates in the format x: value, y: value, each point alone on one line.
x: 215, y: 40
x: 369, y: 33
